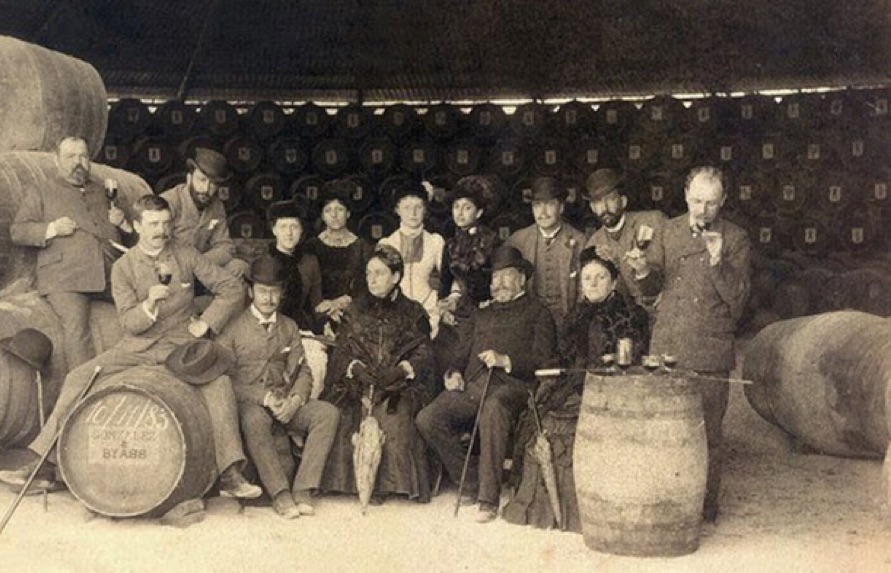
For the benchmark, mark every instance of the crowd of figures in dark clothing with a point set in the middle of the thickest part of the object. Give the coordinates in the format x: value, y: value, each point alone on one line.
x: 430, y: 337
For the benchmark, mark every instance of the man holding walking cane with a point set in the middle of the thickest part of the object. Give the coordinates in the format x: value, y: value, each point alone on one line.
x: 512, y: 335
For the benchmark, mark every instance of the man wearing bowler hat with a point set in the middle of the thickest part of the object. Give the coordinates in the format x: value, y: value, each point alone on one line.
x: 621, y: 231
x: 512, y: 336
x: 272, y: 382
x: 199, y: 217
x: 152, y: 285
x: 553, y: 247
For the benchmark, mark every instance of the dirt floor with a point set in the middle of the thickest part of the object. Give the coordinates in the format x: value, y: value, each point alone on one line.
x: 781, y: 511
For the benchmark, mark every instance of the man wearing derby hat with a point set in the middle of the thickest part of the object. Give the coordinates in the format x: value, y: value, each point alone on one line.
x: 157, y: 318
x: 553, y: 247
x: 622, y: 234
x: 199, y: 217
x: 71, y: 223
x: 30, y: 346
x: 512, y: 336
x: 273, y: 382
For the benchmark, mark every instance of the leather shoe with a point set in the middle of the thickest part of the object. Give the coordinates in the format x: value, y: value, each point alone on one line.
x: 487, y: 513
x: 234, y: 484
x: 284, y: 506
x: 303, y: 500
x: 44, y: 481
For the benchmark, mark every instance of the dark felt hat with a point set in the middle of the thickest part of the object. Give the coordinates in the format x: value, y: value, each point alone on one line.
x: 29, y: 345
x: 199, y: 362
x: 211, y: 163
x: 601, y: 183
x: 589, y: 255
x: 478, y: 189
x: 267, y: 270
x: 285, y: 210
x: 546, y: 189
x: 506, y: 257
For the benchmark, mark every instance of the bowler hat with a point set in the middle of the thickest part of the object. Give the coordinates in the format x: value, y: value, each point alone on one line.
x: 267, y: 270
x: 506, y: 257
x: 199, y: 362
x: 285, y: 210
x: 29, y: 345
x: 211, y: 163
x: 601, y: 183
x: 546, y: 189
x: 477, y: 188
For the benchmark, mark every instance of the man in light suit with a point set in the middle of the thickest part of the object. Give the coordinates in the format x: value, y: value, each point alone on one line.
x: 157, y: 319
x: 72, y: 222
x: 553, y: 247
x: 199, y: 217
x: 622, y: 231
x: 703, y: 292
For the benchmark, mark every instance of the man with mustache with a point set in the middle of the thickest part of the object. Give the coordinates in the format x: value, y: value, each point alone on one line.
x: 512, y: 335
x: 71, y: 221
x: 199, y: 217
x: 621, y: 231
x: 702, y: 295
x: 157, y: 319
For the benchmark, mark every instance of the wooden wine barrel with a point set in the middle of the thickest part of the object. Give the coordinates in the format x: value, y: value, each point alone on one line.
x: 792, y: 298
x: 443, y: 121
x: 835, y: 191
x: 265, y: 120
x: 791, y: 190
x: 704, y: 117
x: 376, y: 225
x: 152, y: 156
x: 139, y: 444
x: 508, y: 222
x: 487, y: 121
x: 812, y: 233
x: 286, y: 154
x: 243, y: 154
x: 129, y: 118
x: 747, y: 192
x: 353, y: 121
x: 799, y: 112
x: 824, y: 380
x: 377, y: 156
x: 115, y: 151
x: 332, y: 157
x: 661, y: 114
x: 640, y: 464
x: 264, y: 189
x: 549, y: 156
x: 574, y: 117
x: 529, y: 119
x: 307, y: 190
x: 730, y: 152
x: 220, y: 118
x: 463, y: 158
x: 169, y: 181
x: 247, y: 225
x: 230, y: 193
x: 507, y: 158
x: 870, y: 288
x: 419, y: 156
x: 311, y: 121
x: 750, y: 115
x: 362, y: 194
x: 19, y: 403
x: 593, y: 152
x: 175, y: 119
x: 46, y: 96
x: 613, y: 118
x: 21, y: 169
x: 186, y: 148
x: 399, y: 121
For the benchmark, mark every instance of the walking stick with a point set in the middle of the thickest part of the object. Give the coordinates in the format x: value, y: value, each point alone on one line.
x: 476, y: 424
x: 43, y: 458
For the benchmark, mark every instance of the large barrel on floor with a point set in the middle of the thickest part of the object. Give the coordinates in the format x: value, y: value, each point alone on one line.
x: 47, y: 96
x: 19, y: 402
x: 19, y: 170
x: 139, y: 444
x: 640, y: 464
x: 825, y: 380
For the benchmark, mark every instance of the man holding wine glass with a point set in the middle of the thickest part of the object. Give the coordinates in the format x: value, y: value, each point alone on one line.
x: 71, y: 222
x: 152, y: 286
x: 623, y: 235
x: 702, y: 294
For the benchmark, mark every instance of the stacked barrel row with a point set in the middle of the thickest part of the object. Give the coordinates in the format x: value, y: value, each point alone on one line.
x: 806, y: 173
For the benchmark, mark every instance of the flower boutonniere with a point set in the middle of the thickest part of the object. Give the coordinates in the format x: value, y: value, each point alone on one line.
x: 572, y: 243
x: 472, y: 231
x: 212, y: 225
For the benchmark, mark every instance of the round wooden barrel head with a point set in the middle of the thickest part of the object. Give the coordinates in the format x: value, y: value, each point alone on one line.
x: 122, y: 452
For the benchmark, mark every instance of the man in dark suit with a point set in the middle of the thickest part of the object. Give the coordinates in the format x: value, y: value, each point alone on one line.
x: 703, y: 292
x: 157, y: 319
x: 553, y: 247
x: 72, y: 222
x: 622, y: 231
x: 511, y: 337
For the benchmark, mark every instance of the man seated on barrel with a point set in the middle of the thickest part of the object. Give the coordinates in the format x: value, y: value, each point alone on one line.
x: 199, y: 217
x: 512, y: 335
x: 272, y: 382
x: 72, y: 222
x: 703, y: 292
x: 153, y: 291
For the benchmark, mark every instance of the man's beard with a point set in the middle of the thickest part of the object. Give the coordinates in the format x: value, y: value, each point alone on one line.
x: 78, y: 175
x: 201, y: 200
x: 610, y: 219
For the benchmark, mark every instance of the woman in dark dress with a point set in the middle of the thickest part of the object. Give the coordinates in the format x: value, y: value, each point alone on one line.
x: 341, y: 254
x: 602, y: 318
x: 383, y: 351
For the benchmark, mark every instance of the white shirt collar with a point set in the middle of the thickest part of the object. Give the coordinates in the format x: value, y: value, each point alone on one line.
x: 262, y: 319
x: 618, y: 226
x: 552, y: 234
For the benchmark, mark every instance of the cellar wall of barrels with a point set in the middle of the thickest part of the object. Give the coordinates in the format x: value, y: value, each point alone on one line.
x: 806, y: 173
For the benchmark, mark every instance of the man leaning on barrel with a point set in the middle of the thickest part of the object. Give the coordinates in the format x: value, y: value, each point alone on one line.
x: 157, y: 319
x: 72, y: 222
x: 704, y: 287
x: 199, y: 217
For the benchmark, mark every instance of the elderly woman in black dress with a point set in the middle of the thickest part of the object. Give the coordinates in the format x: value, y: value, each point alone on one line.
x: 383, y: 352
x: 602, y: 318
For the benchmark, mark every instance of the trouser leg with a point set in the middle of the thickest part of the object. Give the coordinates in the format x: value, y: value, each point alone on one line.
x: 441, y: 423
x: 73, y: 309
x: 499, y: 416
x: 318, y: 422
x: 715, y: 396
x: 256, y: 425
x: 221, y: 404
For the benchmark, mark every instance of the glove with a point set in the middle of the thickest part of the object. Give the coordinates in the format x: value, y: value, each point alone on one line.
x: 362, y: 374
x: 393, y: 379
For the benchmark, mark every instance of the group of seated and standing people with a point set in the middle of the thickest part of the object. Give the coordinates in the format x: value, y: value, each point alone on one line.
x: 427, y: 332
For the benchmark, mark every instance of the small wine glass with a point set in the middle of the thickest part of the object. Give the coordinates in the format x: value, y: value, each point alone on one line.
x: 165, y: 275
x: 111, y: 189
x: 651, y: 363
x: 669, y: 361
